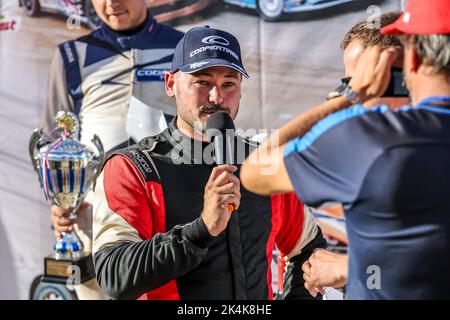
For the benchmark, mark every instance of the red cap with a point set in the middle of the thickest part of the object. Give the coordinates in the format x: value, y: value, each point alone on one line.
x: 422, y: 17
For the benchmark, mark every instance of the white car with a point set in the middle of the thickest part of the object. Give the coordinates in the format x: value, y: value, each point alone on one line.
x: 272, y: 10
x: 162, y: 10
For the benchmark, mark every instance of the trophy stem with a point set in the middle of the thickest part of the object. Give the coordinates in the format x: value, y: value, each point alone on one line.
x: 69, y: 246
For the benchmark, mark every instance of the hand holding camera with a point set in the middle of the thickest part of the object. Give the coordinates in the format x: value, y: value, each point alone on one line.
x: 373, y: 73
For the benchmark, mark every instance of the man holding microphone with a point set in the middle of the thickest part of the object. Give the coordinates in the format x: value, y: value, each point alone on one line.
x: 163, y: 228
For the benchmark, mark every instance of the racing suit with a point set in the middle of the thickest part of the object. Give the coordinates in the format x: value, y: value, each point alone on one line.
x: 150, y: 242
x: 96, y: 76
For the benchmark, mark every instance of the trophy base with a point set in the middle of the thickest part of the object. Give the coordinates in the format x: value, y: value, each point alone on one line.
x: 59, y: 270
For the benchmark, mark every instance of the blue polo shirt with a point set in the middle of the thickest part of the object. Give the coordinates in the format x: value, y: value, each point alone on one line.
x: 391, y: 171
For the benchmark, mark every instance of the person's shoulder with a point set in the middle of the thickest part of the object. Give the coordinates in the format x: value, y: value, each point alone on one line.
x: 146, y: 145
x: 169, y: 30
x: 168, y: 33
x: 353, y: 114
x: 340, y: 123
x: 81, y: 38
x: 137, y: 158
x: 152, y: 145
x: 67, y: 48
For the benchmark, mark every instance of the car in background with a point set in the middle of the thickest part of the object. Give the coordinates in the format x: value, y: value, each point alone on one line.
x: 162, y: 10
x: 273, y: 10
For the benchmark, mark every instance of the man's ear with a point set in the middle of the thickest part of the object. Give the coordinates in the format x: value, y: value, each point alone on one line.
x: 170, y: 84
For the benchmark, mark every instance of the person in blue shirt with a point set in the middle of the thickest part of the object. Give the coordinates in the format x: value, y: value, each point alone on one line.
x: 389, y: 168
x: 325, y: 268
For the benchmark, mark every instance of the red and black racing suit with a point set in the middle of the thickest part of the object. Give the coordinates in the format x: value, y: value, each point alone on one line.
x: 150, y: 242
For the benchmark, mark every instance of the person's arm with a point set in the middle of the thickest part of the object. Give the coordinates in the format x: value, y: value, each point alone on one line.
x: 130, y: 257
x: 129, y: 269
x: 325, y: 269
x: 58, y: 97
x: 294, y: 286
x: 296, y: 240
x: 264, y: 171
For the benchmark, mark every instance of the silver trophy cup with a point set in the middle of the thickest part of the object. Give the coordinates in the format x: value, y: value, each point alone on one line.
x: 66, y: 169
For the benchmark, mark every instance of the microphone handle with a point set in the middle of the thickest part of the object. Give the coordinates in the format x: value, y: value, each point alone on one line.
x: 222, y: 153
x: 219, y: 157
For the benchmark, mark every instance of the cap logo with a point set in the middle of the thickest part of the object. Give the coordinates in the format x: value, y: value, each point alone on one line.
x: 216, y: 40
x: 198, y: 64
x: 406, y: 17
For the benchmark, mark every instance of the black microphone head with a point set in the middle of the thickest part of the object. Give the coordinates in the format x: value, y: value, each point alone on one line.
x: 219, y: 121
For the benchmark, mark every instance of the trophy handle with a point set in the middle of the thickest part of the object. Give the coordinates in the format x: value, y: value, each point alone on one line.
x: 35, y: 137
x: 101, y: 155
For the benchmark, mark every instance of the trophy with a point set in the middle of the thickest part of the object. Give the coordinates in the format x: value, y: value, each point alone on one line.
x: 66, y: 170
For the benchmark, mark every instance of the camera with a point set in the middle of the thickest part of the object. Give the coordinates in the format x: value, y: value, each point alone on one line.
x: 396, y: 87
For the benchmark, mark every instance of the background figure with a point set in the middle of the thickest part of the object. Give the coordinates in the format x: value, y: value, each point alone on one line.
x: 325, y: 268
x: 102, y: 76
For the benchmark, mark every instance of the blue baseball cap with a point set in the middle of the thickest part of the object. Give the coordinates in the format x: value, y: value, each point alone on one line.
x: 205, y: 47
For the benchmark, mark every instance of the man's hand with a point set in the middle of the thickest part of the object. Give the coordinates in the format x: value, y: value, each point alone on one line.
x: 325, y: 269
x: 60, y: 221
x: 373, y: 72
x: 223, y: 188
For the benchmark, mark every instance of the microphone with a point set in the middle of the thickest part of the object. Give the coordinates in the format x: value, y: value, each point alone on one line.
x: 220, y: 132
